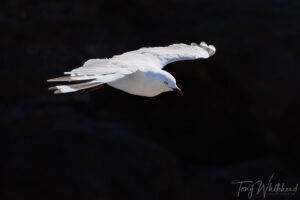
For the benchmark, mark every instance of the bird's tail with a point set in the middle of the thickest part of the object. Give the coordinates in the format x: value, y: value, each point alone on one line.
x: 87, y: 86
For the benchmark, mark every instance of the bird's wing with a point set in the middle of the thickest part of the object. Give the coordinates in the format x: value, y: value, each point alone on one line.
x: 108, y: 70
x: 161, y: 56
x: 102, y: 70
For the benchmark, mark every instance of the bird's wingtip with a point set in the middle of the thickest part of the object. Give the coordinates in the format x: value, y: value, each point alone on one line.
x: 211, y: 50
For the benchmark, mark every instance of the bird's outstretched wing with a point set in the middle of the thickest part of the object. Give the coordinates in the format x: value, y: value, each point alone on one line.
x: 161, y: 56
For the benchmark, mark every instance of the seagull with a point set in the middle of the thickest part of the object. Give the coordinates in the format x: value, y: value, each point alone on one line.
x: 138, y: 72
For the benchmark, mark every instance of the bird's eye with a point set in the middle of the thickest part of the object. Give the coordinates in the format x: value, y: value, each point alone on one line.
x: 166, y: 82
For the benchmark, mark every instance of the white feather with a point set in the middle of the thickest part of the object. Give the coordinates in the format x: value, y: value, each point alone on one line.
x: 65, y: 89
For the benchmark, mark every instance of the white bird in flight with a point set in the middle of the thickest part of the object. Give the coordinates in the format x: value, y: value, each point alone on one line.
x: 136, y: 72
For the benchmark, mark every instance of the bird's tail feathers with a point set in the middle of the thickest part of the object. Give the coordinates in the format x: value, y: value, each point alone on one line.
x: 86, y: 86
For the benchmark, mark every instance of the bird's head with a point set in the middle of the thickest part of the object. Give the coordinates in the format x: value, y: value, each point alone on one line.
x: 168, y: 83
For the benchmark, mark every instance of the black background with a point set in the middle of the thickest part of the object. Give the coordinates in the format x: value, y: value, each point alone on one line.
x: 238, y: 118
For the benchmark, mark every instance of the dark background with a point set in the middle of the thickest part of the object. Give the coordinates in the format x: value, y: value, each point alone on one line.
x: 238, y: 118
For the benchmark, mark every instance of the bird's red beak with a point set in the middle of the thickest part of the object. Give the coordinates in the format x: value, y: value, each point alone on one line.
x: 178, y: 91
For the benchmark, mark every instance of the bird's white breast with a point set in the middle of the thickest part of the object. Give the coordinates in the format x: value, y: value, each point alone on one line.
x: 139, y: 83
